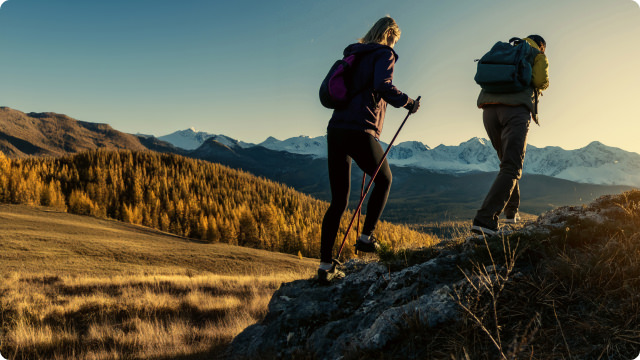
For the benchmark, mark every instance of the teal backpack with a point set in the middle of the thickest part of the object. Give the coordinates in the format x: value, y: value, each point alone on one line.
x: 506, y: 68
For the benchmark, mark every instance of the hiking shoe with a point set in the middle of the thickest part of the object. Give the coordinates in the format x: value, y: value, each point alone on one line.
x: 325, y: 277
x: 481, y: 230
x: 369, y: 247
x: 512, y: 219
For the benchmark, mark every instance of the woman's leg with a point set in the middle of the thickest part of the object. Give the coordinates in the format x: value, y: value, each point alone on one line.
x: 340, y: 181
x: 368, y: 153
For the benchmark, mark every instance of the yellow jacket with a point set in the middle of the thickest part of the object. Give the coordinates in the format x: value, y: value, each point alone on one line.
x: 540, y: 69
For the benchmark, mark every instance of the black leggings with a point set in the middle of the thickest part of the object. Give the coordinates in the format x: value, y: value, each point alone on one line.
x: 344, y: 145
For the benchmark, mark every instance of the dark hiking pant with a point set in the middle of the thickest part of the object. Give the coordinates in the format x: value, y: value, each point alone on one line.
x: 507, y: 127
x: 344, y: 145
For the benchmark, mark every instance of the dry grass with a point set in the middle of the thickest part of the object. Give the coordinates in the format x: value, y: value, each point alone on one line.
x: 74, y: 287
x: 143, y: 317
x: 35, y: 240
x: 571, y: 293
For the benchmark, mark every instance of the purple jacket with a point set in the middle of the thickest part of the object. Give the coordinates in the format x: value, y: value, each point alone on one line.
x: 373, y: 74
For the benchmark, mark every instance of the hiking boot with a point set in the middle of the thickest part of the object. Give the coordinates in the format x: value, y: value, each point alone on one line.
x: 484, y: 230
x: 325, y: 277
x: 512, y: 219
x: 368, y: 247
x: 480, y: 230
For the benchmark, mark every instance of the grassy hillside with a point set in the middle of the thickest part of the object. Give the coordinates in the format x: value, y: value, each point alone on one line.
x: 169, y: 282
x: 38, y: 239
x: 76, y: 287
x: 186, y: 197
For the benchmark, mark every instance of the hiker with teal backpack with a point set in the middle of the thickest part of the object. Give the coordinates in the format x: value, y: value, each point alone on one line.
x: 512, y: 76
x: 358, y: 88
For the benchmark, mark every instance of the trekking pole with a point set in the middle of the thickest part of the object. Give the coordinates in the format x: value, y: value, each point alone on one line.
x: 353, y: 218
x: 364, y: 177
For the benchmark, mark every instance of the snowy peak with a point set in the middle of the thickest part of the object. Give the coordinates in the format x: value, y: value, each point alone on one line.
x: 270, y: 142
x: 595, y: 163
x: 229, y: 142
x: 476, y: 151
x: 304, y: 145
x: 473, y: 155
x: 407, y: 150
x: 190, y: 139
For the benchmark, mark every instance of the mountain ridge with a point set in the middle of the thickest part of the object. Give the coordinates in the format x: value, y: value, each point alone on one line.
x: 595, y: 163
x: 417, y: 194
x: 51, y: 134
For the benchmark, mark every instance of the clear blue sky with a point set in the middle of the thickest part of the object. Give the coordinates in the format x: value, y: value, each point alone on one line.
x: 251, y: 69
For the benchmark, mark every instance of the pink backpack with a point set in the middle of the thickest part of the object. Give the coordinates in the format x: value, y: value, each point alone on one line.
x: 334, y: 91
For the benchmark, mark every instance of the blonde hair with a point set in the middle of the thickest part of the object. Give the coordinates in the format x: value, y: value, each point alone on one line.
x: 381, y: 31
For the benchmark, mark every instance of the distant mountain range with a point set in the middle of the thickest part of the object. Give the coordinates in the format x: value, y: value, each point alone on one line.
x: 595, y: 163
x: 447, y: 182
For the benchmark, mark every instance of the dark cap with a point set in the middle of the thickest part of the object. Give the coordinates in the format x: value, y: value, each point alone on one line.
x: 538, y: 40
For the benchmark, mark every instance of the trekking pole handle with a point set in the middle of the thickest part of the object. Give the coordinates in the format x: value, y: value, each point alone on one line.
x: 418, y: 98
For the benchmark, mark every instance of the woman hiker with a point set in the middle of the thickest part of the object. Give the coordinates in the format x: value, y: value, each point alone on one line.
x: 353, y: 133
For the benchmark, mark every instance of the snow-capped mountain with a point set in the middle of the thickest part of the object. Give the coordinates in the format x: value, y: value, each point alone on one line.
x: 191, y: 139
x: 473, y: 155
x: 595, y: 163
x: 304, y: 145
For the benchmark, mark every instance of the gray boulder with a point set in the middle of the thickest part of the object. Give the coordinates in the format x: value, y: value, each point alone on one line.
x: 364, y: 311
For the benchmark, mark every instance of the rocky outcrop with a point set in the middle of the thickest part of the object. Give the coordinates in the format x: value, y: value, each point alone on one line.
x: 364, y: 311
x: 372, y: 307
